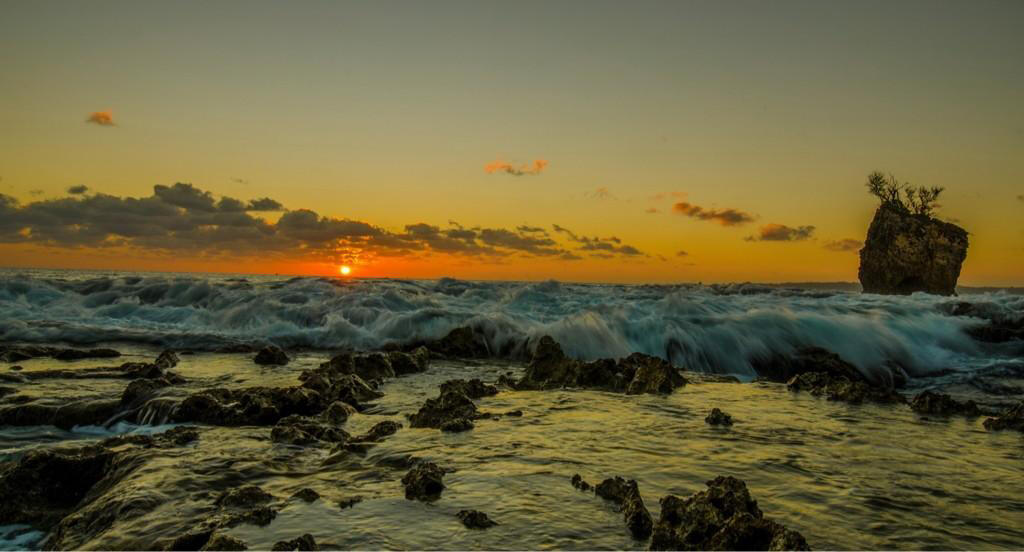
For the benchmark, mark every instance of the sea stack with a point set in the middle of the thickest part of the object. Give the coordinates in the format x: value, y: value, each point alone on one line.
x: 906, y: 252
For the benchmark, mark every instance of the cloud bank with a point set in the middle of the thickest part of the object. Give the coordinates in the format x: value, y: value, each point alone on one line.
x: 781, y: 232
x: 501, y: 167
x: 101, y: 118
x: 844, y: 245
x: 725, y: 217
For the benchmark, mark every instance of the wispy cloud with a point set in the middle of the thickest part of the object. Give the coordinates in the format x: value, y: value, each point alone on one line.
x: 681, y: 253
x: 845, y: 245
x: 502, y: 167
x: 102, y: 118
x: 600, y: 194
x: 781, y: 232
x: 725, y: 217
x: 599, y: 247
x: 78, y: 190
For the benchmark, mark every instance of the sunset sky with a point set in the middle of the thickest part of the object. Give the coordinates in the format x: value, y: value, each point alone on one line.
x: 580, y: 141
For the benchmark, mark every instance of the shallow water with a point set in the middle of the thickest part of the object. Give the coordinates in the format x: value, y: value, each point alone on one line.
x: 847, y: 477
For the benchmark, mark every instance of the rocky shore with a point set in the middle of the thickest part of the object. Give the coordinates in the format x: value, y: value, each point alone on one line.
x: 74, y: 494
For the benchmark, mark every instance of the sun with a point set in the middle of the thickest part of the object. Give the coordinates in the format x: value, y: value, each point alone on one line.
x: 344, y: 270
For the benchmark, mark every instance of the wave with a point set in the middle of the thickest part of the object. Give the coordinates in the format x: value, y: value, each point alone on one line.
x: 707, y: 328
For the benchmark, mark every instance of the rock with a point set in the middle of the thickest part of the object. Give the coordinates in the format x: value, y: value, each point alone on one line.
x: 305, y: 430
x: 220, y: 541
x: 16, y: 368
x: 305, y: 542
x: 514, y: 413
x: 373, y: 366
x: 141, y: 390
x: 14, y: 355
x: 635, y: 374
x: 246, y: 496
x: 461, y: 342
x: 260, y: 516
x: 627, y: 495
x: 424, y: 482
x: 248, y: 406
x: 378, y: 432
x: 449, y: 406
x: 717, y: 417
x: 306, y: 495
x: 410, y: 363
x: 335, y: 384
x: 579, y: 483
x: 271, y: 355
x: 4, y: 391
x: 840, y: 388
x: 349, y: 502
x: 904, y: 253
x: 1011, y: 418
x: 77, y: 354
x: 338, y: 412
x: 941, y: 404
x: 193, y: 540
x: 67, y: 416
x: 723, y: 517
x: 457, y: 425
x: 474, y: 519
x: 474, y: 388
x: 782, y: 368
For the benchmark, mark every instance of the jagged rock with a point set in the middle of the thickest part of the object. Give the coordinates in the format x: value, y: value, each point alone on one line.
x: 373, y: 366
x: 410, y: 363
x: 627, y: 495
x: 193, y: 540
x: 424, y: 482
x: 260, y: 516
x: 635, y: 374
x: 378, y: 432
x: 941, y: 404
x: 141, y: 390
x: 305, y: 430
x: 474, y: 388
x: 336, y: 384
x: 840, y: 388
x: 782, y: 368
x: 474, y: 519
x: 338, y: 412
x: 349, y: 502
x: 248, y: 406
x: 448, y: 406
x: 246, y: 496
x: 305, y: 542
x: 457, y: 425
x: 1011, y: 418
x: 76, y: 354
x: 579, y: 483
x: 174, y: 437
x: 4, y: 391
x: 461, y: 342
x: 220, y: 541
x: 67, y: 416
x: 904, y: 253
x: 271, y: 355
x: 306, y: 495
x: 717, y: 417
x: 16, y: 354
x: 723, y: 517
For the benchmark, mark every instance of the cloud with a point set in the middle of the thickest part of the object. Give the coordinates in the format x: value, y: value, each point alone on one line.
x: 1020, y: 198
x: 725, y: 217
x: 78, y: 190
x: 264, y: 204
x: 600, y: 194
x: 781, y: 232
x: 681, y: 253
x: 599, y: 247
x: 536, y: 168
x: 102, y: 118
x: 844, y: 245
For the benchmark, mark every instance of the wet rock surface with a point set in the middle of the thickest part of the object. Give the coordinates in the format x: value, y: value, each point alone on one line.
x: 626, y: 494
x: 474, y: 519
x: 723, y: 517
x: 220, y: 541
x: 461, y: 342
x: 718, y: 418
x: 638, y: 373
x: 904, y: 253
x: 578, y: 482
x: 1011, y: 418
x: 451, y: 405
x: 305, y: 542
x: 19, y: 353
x: 424, y: 482
x: 782, y: 368
x: 271, y: 355
x: 941, y: 404
x: 841, y: 388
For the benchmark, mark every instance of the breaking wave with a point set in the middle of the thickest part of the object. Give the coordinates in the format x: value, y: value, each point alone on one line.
x: 708, y: 328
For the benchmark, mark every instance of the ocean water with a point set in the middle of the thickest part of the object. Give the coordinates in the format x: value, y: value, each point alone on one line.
x: 846, y: 476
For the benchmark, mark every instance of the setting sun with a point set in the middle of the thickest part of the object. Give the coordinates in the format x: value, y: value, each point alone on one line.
x: 344, y: 270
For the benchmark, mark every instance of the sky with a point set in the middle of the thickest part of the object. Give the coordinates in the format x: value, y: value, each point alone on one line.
x: 578, y: 141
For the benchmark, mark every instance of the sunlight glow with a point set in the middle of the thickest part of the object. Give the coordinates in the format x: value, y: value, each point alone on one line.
x: 344, y: 270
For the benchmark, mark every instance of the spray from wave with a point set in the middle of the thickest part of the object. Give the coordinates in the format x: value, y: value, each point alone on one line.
x: 706, y: 328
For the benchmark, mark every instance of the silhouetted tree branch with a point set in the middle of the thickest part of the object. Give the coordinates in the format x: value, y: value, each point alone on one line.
x: 890, y: 191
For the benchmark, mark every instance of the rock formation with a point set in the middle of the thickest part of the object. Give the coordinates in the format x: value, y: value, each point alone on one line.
x: 906, y: 252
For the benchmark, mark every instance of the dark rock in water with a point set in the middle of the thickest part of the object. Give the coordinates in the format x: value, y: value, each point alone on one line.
x: 635, y: 374
x: 174, y: 437
x: 373, y: 366
x: 474, y: 388
x: 305, y: 542
x: 514, y: 413
x: 260, y: 516
x: 306, y: 495
x: 1011, y: 418
x: 193, y: 540
x: 246, y: 496
x: 16, y: 368
x: 941, y: 404
x: 474, y: 519
x: 44, y: 486
x: 579, y: 483
x: 905, y: 252
x: 220, y: 541
x: 841, y: 388
x: 627, y: 495
x: 461, y: 342
x: 143, y: 389
x: 449, y: 406
x: 76, y: 354
x: 336, y: 384
x: 4, y: 391
x: 338, y: 412
x: 349, y: 502
x: 77, y: 413
x: 717, y: 417
x: 410, y: 363
x: 271, y: 355
x: 248, y: 406
x: 723, y: 517
x: 13, y: 355
x: 424, y: 482
x: 781, y: 368
x: 305, y: 430
x: 457, y: 425
x: 378, y: 432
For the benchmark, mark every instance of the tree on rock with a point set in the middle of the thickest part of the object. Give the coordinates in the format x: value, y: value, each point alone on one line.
x: 901, y: 195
